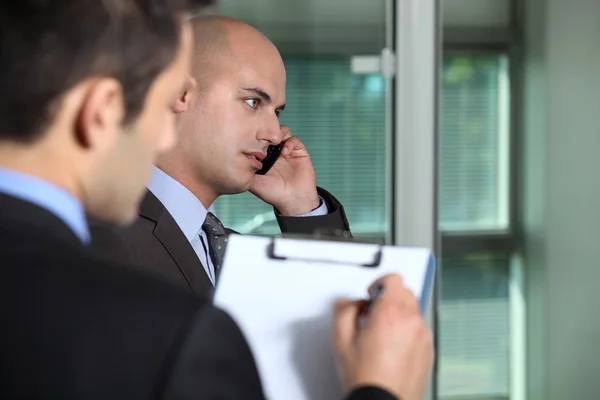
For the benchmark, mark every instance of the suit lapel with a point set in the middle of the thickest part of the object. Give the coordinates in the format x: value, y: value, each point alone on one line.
x: 172, y: 238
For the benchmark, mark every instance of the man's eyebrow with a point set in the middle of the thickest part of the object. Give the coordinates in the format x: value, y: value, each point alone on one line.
x: 263, y: 95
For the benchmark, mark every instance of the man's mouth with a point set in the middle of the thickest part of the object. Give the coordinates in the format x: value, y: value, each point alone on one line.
x: 256, y: 159
x: 259, y: 156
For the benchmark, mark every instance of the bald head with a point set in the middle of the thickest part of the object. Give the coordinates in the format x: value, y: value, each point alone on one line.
x: 231, y: 112
x: 223, y: 43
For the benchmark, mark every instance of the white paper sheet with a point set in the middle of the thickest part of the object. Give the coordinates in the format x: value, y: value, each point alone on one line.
x: 284, y: 307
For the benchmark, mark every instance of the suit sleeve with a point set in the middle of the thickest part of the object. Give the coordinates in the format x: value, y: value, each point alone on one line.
x: 335, y: 220
x: 370, y: 393
x: 213, y: 361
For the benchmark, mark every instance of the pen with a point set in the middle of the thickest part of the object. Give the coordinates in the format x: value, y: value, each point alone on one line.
x: 374, y: 293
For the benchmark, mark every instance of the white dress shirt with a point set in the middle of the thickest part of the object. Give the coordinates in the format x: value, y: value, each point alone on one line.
x: 189, y: 214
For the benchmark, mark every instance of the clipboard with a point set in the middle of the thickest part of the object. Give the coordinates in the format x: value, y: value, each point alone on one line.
x: 281, y: 292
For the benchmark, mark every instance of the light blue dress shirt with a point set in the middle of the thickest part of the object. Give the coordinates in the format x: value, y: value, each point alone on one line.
x: 189, y: 214
x: 48, y: 196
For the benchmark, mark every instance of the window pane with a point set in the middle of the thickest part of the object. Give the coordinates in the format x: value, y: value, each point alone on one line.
x: 473, y: 327
x: 341, y: 119
x: 474, y: 143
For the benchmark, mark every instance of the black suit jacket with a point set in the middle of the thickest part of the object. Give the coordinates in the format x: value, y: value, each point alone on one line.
x: 156, y: 243
x: 80, y: 328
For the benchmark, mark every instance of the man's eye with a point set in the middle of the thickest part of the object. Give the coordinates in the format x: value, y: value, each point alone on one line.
x: 252, y: 102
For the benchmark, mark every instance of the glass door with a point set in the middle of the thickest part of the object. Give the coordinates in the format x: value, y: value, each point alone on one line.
x: 340, y: 113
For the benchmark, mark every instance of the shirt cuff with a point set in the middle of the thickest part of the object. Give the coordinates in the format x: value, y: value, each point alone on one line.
x: 321, y: 210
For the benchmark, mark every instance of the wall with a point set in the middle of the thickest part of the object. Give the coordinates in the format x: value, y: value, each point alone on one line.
x: 561, y: 197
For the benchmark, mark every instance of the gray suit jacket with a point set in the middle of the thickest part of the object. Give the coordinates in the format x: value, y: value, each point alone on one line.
x: 156, y: 244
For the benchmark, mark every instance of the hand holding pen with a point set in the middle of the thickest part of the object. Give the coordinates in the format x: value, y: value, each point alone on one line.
x: 383, y: 341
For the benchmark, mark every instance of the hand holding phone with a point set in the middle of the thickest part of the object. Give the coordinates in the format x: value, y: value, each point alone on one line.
x: 292, y: 188
x: 273, y: 153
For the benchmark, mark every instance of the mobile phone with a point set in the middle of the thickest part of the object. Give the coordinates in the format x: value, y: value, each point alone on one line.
x: 273, y: 153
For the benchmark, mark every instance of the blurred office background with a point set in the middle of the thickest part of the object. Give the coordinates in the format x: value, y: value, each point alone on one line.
x: 518, y: 199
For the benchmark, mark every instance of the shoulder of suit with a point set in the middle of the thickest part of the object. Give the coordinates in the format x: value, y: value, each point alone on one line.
x: 79, y: 269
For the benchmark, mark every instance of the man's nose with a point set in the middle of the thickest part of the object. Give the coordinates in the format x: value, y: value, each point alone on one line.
x: 270, y: 131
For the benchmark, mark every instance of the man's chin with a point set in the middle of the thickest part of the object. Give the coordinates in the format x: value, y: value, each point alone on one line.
x: 238, y: 186
x: 236, y: 190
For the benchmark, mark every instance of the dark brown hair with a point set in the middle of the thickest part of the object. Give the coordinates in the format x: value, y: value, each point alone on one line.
x: 49, y: 46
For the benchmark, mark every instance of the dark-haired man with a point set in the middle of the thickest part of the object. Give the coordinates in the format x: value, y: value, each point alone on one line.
x: 92, y: 85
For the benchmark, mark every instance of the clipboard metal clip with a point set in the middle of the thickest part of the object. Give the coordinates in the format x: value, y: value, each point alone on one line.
x: 326, y: 236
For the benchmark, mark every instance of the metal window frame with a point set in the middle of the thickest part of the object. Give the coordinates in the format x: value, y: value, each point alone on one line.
x: 509, y: 242
x: 414, y: 147
x: 509, y: 43
x: 493, y: 240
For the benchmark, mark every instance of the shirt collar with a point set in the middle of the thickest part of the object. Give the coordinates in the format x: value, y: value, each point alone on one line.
x: 185, y: 208
x: 48, y: 196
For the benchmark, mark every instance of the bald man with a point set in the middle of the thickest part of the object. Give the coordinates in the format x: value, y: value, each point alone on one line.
x: 226, y: 120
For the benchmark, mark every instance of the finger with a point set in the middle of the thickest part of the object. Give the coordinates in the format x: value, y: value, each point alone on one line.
x: 345, y: 323
x: 285, y: 132
x: 394, y: 291
x: 391, y: 282
x: 295, y: 145
x: 409, y: 301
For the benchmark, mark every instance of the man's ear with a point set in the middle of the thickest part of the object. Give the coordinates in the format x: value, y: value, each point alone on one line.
x: 183, y: 101
x: 101, y: 114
